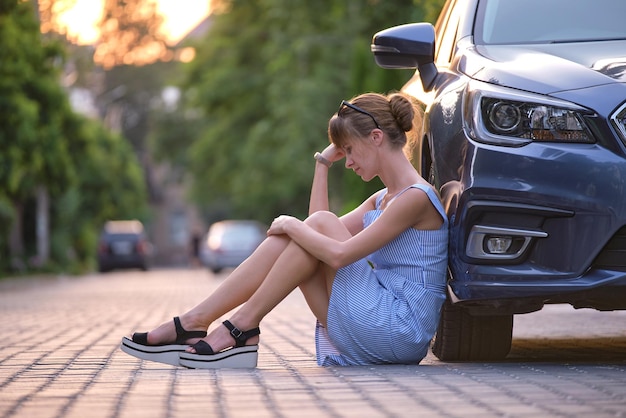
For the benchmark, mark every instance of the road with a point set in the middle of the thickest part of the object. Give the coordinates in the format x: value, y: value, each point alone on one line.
x: 60, y: 357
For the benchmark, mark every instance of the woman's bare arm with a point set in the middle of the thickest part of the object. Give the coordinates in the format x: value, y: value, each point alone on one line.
x: 406, y: 211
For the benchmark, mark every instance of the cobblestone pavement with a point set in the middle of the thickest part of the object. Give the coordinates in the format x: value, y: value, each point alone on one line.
x: 60, y: 357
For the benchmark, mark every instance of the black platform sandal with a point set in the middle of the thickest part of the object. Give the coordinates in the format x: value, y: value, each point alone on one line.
x: 239, y: 356
x: 163, y: 353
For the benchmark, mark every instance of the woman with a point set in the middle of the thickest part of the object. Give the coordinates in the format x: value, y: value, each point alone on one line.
x: 374, y: 278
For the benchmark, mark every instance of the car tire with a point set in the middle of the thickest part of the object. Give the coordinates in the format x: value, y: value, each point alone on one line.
x: 465, y: 337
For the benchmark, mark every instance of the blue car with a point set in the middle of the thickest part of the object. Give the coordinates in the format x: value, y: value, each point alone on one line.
x: 525, y: 137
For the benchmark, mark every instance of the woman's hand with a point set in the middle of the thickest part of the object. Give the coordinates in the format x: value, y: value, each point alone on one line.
x: 281, y: 224
x: 332, y: 153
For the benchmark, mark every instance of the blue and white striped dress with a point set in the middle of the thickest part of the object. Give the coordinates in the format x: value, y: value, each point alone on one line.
x: 385, y: 308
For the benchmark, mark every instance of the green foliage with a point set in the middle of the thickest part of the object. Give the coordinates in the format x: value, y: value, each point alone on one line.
x: 267, y: 79
x: 256, y: 104
x: 7, y: 6
x: 31, y: 105
x: 110, y: 185
x: 89, y: 174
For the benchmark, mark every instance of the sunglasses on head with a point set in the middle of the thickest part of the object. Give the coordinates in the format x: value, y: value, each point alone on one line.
x: 358, y: 109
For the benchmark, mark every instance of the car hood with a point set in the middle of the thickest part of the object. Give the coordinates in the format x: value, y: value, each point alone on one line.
x: 547, y: 68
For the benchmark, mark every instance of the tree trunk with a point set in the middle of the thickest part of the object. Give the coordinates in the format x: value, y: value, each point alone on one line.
x: 43, y: 225
x: 16, y: 240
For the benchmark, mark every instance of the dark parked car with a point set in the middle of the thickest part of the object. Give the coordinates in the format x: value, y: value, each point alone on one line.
x: 525, y: 136
x: 229, y: 243
x: 123, y: 245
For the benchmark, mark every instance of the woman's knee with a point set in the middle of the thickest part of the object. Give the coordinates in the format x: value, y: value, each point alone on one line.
x: 328, y: 224
x: 320, y: 220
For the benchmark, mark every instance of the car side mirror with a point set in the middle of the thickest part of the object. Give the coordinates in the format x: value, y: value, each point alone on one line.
x: 405, y: 47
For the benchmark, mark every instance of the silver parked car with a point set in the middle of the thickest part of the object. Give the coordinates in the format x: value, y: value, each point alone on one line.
x: 228, y: 243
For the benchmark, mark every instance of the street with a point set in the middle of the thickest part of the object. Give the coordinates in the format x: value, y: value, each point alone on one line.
x: 60, y: 357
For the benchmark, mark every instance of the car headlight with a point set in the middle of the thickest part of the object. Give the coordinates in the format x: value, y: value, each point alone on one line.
x: 503, y: 116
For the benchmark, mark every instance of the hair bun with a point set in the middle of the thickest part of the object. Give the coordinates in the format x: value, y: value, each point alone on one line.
x: 402, y: 111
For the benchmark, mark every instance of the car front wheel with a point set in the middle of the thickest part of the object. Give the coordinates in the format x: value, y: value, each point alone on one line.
x: 465, y: 337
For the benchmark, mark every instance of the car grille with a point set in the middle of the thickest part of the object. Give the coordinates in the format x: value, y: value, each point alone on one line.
x: 619, y: 121
x: 613, y: 255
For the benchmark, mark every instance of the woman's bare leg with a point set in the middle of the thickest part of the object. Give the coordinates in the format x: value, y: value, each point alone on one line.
x: 237, y: 288
x: 293, y: 268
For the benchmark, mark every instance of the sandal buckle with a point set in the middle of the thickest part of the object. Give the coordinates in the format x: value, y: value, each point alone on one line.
x: 236, y: 333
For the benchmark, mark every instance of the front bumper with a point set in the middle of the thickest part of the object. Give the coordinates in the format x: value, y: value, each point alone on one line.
x: 564, y: 207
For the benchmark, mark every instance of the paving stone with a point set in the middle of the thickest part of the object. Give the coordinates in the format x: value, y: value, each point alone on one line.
x: 60, y: 358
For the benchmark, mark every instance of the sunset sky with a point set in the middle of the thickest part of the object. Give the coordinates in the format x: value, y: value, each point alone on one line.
x: 180, y: 17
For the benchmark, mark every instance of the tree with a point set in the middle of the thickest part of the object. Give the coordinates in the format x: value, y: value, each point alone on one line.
x: 54, y: 163
x: 32, y: 105
x: 48, y: 12
x: 130, y: 34
x: 109, y: 186
x: 137, y: 62
x: 267, y: 78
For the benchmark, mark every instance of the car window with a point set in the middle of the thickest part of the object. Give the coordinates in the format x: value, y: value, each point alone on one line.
x: 553, y: 21
x: 234, y: 235
x: 122, y: 237
x: 446, y: 30
x: 240, y: 233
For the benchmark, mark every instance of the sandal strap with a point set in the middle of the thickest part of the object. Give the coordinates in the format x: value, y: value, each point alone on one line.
x: 202, y: 347
x: 182, y: 335
x: 241, y: 336
x: 140, y: 338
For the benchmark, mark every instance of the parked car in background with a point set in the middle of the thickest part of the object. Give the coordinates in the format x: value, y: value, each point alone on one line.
x: 228, y: 243
x: 525, y: 137
x: 123, y: 245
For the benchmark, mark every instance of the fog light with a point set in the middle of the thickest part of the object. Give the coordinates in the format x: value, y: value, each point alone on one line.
x: 499, y: 245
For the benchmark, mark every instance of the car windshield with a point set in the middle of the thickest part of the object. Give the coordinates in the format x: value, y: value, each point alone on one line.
x: 549, y: 21
x: 238, y: 234
x: 234, y: 235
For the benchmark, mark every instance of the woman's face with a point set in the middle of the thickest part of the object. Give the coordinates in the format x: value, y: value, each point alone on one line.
x: 361, y: 157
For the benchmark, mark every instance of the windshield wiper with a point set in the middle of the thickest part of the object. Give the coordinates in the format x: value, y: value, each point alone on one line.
x: 574, y: 41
